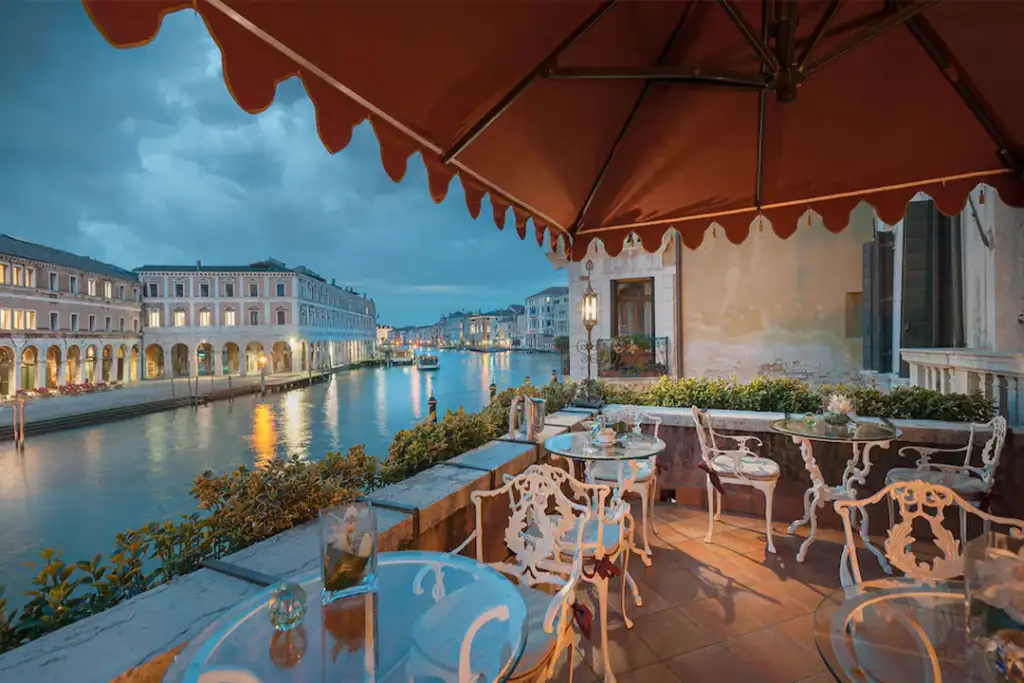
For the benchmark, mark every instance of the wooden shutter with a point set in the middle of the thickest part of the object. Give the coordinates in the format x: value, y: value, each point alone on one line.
x: 919, y: 274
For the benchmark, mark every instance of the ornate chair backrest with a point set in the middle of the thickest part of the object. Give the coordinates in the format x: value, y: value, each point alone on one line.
x: 992, y: 450
x: 918, y: 500
x: 544, y: 523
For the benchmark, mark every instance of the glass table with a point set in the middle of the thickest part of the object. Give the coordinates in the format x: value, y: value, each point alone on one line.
x: 895, y: 631
x: 862, y: 436
x: 371, y: 637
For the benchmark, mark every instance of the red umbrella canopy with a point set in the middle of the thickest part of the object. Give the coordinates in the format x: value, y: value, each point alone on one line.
x: 597, y: 119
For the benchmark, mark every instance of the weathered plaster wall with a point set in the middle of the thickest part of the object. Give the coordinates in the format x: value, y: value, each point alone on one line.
x: 1009, y: 275
x: 772, y: 306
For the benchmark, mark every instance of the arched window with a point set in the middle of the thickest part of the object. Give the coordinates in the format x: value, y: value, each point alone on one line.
x: 205, y: 317
x: 282, y: 316
x: 230, y: 317
x: 254, y: 316
x: 179, y: 317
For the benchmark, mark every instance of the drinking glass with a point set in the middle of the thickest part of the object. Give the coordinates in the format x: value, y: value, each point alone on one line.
x: 994, y: 578
x: 348, y: 551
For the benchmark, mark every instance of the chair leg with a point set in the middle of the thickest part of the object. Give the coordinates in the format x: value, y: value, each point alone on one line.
x: 718, y: 509
x: 654, y: 499
x: 645, y: 516
x: 711, y: 511
x: 769, y: 495
x: 602, y: 598
x: 963, y: 529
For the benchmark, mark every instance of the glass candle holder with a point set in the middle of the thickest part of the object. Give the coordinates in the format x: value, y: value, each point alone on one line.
x: 348, y: 551
x: 994, y: 577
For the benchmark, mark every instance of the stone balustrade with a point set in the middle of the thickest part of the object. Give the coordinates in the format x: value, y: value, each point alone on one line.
x: 998, y: 376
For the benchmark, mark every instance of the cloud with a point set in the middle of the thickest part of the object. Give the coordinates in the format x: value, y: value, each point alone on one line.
x: 141, y: 156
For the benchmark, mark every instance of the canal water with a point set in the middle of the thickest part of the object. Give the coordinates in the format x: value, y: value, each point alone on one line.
x: 76, y: 489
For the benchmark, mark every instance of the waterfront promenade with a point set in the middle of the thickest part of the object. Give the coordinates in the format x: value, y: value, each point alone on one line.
x: 146, y: 396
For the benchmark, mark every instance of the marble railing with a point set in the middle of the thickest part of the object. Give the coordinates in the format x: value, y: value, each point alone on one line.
x: 999, y: 376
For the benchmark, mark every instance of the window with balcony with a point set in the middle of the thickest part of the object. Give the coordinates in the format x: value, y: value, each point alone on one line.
x: 229, y: 289
x: 108, y: 289
x: 73, y: 284
x: 153, y: 290
x: 120, y: 324
x: 179, y: 289
x: 204, y: 289
x: 92, y: 323
x: 179, y: 318
x: 229, y: 318
x: 254, y: 289
x: 106, y: 324
x: 54, y: 321
x: 74, y: 322
x: 54, y: 282
x: 254, y: 317
x: 280, y: 289
x: 204, y: 318
x: 280, y: 317
x: 91, y: 287
x: 153, y: 318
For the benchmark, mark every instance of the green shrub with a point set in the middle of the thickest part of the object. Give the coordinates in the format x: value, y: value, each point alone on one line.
x: 787, y: 395
x: 243, y: 507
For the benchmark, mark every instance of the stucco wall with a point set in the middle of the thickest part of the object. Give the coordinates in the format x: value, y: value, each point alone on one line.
x: 1009, y: 276
x: 772, y: 306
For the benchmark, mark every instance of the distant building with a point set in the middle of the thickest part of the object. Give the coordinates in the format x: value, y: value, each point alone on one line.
x: 382, y: 334
x: 547, y: 317
x: 455, y: 328
x: 65, y: 319
x: 233, y: 320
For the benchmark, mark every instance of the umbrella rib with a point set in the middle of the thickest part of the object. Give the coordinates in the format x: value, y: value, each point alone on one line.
x: 886, y: 22
x: 629, y: 121
x: 762, y: 100
x: 819, y: 32
x: 658, y: 73
x: 505, y: 102
x: 759, y: 46
x: 930, y: 42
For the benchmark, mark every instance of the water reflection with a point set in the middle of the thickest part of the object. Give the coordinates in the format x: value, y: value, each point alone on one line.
x: 122, y: 475
x: 264, y: 434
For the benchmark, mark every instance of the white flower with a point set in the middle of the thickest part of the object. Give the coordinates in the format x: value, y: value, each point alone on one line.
x: 838, y: 403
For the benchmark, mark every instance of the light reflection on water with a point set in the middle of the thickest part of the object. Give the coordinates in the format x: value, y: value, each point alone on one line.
x: 76, y: 489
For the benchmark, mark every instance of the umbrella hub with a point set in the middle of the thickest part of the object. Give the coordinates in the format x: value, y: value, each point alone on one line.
x: 785, y: 83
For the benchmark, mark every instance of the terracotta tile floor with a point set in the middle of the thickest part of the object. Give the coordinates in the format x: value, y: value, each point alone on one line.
x: 720, y: 612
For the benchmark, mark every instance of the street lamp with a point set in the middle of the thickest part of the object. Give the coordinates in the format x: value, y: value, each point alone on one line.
x: 588, y: 395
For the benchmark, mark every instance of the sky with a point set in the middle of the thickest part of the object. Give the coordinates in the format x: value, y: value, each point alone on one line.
x: 142, y: 157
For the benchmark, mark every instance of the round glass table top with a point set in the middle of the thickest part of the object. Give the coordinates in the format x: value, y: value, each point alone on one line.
x: 412, y: 629
x: 578, y: 446
x: 894, y: 631
x: 818, y: 430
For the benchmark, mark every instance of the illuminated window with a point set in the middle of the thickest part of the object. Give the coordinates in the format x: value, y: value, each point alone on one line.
x: 108, y: 289
x: 91, y: 287
x: 204, y: 318
x: 19, y: 276
x: 153, y: 318
x: 229, y: 318
x: 19, y: 320
x: 5, y: 318
x: 179, y: 318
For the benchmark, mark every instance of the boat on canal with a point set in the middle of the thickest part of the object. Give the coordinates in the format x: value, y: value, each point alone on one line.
x: 428, y: 362
x: 402, y: 357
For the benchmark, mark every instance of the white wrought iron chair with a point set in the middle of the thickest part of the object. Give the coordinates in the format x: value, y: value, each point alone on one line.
x: 553, y: 540
x: 971, y: 483
x: 930, y: 624
x: 739, y: 466
x: 644, y: 479
x: 914, y: 500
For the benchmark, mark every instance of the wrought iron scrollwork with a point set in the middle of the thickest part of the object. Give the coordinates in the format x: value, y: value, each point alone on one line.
x: 636, y: 355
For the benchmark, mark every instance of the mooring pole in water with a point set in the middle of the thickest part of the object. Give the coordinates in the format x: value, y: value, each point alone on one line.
x: 19, y: 424
x: 432, y: 409
x: 554, y: 376
x: 527, y: 381
x: 494, y: 391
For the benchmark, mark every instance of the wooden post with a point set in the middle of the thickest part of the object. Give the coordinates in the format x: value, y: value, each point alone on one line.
x: 21, y: 424
x: 554, y: 376
x: 494, y: 391
x: 432, y: 409
x: 527, y: 381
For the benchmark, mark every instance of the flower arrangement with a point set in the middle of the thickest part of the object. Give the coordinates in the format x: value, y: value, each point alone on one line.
x: 838, y: 410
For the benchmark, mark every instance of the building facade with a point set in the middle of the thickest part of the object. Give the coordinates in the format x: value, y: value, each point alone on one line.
x: 547, y: 317
x: 238, y: 320
x: 65, y: 319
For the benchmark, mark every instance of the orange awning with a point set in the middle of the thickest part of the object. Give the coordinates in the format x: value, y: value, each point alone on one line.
x: 598, y: 119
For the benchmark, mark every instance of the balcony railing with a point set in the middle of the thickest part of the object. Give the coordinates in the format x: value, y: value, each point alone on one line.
x: 998, y: 376
x: 637, y: 355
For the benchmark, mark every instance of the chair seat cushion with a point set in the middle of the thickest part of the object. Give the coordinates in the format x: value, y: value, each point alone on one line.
x: 609, y: 539
x: 609, y: 471
x: 437, y: 635
x: 750, y: 467
x: 961, y: 482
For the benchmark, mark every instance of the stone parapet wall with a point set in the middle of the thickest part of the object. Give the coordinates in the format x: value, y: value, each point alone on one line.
x: 429, y: 511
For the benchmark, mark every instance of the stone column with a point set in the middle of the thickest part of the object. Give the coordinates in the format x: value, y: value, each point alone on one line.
x: 168, y: 362
x: 218, y: 361
x: 62, y: 369
x: 16, y: 383
x: 41, y: 367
